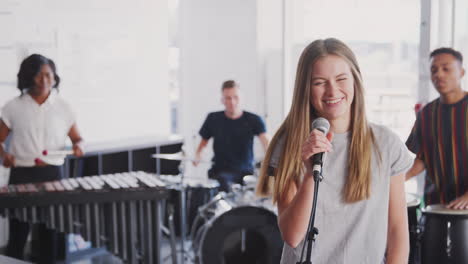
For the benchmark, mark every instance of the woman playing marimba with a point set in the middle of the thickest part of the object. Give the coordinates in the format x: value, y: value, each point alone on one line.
x: 37, y: 120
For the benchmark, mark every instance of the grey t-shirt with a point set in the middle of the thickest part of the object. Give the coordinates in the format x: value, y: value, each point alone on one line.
x: 353, y: 233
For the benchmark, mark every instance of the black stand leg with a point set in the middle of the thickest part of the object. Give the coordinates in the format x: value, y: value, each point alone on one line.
x: 312, y: 231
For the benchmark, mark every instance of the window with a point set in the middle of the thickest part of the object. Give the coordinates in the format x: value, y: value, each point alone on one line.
x: 461, y: 33
x: 385, y: 38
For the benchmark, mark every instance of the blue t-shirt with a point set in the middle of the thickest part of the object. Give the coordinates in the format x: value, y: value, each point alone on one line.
x: 233, y: 139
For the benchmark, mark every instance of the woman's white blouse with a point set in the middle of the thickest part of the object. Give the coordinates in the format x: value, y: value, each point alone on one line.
x: 35, y: 128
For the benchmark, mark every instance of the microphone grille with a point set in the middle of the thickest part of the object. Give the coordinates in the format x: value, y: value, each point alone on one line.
x: 321, y: 124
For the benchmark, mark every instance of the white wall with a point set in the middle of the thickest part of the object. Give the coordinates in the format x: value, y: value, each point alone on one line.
x: 271, y: 40
x: 111, y: 55
x: 229, y: 39
x: 218, y: 42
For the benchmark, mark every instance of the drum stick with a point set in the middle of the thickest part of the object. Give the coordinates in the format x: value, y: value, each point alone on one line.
x: 24, y: 163
x: 57, y: 152
x: 57, y: 160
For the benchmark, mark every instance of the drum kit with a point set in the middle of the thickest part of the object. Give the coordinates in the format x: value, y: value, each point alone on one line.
x: 440, y: 235
x: 233, y: 227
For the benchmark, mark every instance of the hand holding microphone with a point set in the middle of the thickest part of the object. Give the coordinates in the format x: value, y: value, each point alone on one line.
x: 318, y: 142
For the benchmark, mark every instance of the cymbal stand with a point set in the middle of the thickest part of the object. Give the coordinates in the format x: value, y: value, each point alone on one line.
x: 172, y: 238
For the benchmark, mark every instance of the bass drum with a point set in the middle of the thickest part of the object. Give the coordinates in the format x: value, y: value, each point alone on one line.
x: 237, y: 228
x: 445, y: 235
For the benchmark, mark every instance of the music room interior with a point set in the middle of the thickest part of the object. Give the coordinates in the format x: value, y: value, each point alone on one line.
x: 139, y: 83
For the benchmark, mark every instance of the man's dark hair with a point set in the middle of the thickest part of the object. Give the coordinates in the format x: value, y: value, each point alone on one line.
x: 450, y: 51
x: 30, y: 67
x: 229, y: 84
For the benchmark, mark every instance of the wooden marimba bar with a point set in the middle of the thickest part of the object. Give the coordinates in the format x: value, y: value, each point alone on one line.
x: 120, y: 211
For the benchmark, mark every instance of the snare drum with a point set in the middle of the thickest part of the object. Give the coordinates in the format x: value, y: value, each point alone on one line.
x: 198, y: 191
x: 445, y: 236
x: 237, y: 227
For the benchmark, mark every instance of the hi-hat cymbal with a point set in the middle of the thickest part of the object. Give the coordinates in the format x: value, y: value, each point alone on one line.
x: 179, y: 156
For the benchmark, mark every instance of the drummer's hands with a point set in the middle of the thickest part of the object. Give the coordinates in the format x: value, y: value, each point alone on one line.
x: 8, y: 160
x: 316, y: 142
x: 460, y: 203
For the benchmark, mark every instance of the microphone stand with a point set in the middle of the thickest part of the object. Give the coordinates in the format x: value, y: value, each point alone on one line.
x: 312, y: 231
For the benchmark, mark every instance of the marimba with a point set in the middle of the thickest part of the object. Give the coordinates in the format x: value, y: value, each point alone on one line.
x: 119, y: 211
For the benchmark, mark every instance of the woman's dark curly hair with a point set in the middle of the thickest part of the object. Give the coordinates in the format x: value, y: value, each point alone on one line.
x: 30, y: 67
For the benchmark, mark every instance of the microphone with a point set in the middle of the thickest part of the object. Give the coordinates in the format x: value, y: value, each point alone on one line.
x: 322, y: 125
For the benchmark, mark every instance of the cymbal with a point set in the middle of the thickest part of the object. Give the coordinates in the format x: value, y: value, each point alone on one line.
x: 179, y: 156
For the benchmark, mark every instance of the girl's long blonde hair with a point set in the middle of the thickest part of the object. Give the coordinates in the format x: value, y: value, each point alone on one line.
x: 297, y: 126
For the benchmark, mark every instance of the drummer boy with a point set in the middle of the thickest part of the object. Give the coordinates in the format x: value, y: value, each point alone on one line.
x: 233, y: 131
x: 439, y: 137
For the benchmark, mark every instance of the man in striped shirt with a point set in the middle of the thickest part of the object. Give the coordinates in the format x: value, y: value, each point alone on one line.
x: 440, y: 134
